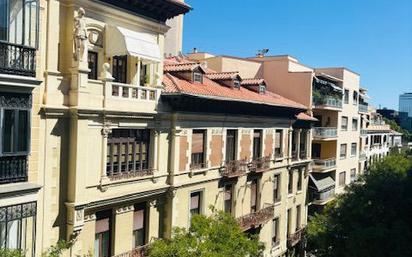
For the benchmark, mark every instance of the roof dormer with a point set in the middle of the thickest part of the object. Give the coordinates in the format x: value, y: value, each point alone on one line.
x: 228, y: 79
x: 190, y: 71
x: 256, y: 85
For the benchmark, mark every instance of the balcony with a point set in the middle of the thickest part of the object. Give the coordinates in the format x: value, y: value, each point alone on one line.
x: 294, y: 238
x: 321, y: 165
x: 142, y: 251
x: 13, y: 169
x: 327, y: 102
x: 260, y: 164
x: 362, y: 156
x: 257, y: 218
x: 323, y: 196
x: 325, y: 133
x: 363, y: 108
x: 17, y: 59
x: 234, y: 168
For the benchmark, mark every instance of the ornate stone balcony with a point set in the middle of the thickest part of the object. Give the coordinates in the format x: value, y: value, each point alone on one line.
x: 234, y: 168
x: 294, y: 238
x: 260, y: 164
x: 141, y: 251
x: 256, y: 218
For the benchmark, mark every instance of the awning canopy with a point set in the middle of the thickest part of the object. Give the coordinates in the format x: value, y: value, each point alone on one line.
x: 322, y: 184
x: 321, y: 81
x: 121, y: 41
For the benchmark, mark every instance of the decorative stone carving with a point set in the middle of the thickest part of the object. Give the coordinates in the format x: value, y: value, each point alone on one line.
x: 246, y: 131
x: 80, y: 37
x: 153, y: 203
x: 124, y: 209
x: 106, y: 131
x: 16, y: 100
x: 75, y: 216
x: 95, y: 37
x: 171, y: 192
x: 217, y: 131
x: 105, y: 74
x: 89, y: 217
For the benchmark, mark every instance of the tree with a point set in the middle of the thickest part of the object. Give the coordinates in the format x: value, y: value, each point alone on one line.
x: 218, y: 235
x: 373, y: 217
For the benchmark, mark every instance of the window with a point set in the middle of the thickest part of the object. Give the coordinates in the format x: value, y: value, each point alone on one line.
x: 197, y: 77
x: 344, y: 125
x: 198, y: 149
x: 93, y: 63
x: 257, y: 142
x: 228, y: 198
x: 275, y: 231
x: 102, y: 234
x: 120, y: 69
x: 262, y: 89
x: 17, y: 227
x: 15, y: 134
x: 254, y: 192
x: 231, y: 144
x: 353, y: 149
x: 298, y: 217
x: 355, y: 98
x: 354, y: 124
x: 343, y: 148
x: 278, y: 143
x: 19, y: 22
x: 353, y: 175
x: 300, y: 178
x: 144, y: 74
x: 236, y: 84
x: 128, y: 151
x: 346, y: 96
x: 139, y: 220
x: 276, y: 188
x: 290, y: 182
x: 195, y: 203
x: 342, y: 178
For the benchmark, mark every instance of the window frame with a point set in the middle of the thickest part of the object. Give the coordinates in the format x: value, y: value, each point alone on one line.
x: 228, y: 187
x: 277, y: 192
x: 197, y: 77
x: 15, y: 151
x: 280, y: 154
x: 290, y: 182
x: 353, y: 146
x: 300, y: 180
x: 257, y: 144
x: 93, y: 73
x: 254, y: 208
x: 298, y: 217
x: 140, y: 207
x: 346, y: 96
x: 118, y: 71
x: 198, y: 160
x: 357, y: 124
x: 342, y: 127
x: 227, y: 149
x: 340, y: 182
x: 275, y: 231
x: 343, y: 156
x: 200, y: 204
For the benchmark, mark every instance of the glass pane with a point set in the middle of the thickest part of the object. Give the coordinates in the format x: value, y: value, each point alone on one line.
x: 105, y: 244
x: 3, y: 19
x: 13, y: 234
x: 30, y: 23
x: 8, y: 129
x: 2, y: 234
x: 138, y: 236
x: 16, y: 22
x: 23, y: 131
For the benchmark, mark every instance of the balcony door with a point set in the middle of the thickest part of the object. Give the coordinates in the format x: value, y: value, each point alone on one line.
x: 19, y: 21
x: 231, y: 145
x: 257, y: 142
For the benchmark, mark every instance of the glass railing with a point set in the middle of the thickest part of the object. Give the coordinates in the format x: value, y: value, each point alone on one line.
x: 363, y: 108
x: 325, y: 132
x: 324, y: 164
x: 328, y: 101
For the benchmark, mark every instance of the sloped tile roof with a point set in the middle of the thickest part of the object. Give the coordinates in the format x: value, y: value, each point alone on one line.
x: 256, y: 81
x: 222, y: 75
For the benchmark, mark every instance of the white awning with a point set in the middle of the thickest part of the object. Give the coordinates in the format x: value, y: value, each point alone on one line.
x: 121, y: 41
x: 322, y: 184
x: 336, y: 88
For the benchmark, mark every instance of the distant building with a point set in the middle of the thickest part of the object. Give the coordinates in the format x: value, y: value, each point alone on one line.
x: 405, y: 103
x: 401, y: 118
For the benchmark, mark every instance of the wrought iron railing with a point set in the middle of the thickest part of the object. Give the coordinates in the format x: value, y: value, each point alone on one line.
x: 257, y: 218
x: 234, y: 168
x: 13, y: 169
x: 294, y: 238
x: 141, y: 251
x: 17, y: 59
x: 260, y: 164
x: 325, y: 132
x: 324, y: 164
x: 130, y: 174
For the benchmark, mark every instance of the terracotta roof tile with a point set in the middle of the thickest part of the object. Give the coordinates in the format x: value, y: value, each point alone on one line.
x: 222, y: 75
x: 210, y: 88
x: 256, y: 81
x: 304, y: 116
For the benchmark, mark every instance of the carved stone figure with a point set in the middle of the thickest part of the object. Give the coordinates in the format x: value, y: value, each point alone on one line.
x: 80, y: 37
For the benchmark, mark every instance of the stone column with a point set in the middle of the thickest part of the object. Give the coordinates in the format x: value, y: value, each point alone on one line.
x: 123, y: 230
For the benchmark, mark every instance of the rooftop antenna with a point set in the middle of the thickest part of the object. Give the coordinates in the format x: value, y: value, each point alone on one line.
x: 262, y: 52
x: 194, y: 50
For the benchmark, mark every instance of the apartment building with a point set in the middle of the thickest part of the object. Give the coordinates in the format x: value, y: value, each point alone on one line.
x: 104, y: 159
x: 334, y: 98
x: 20, y: 79
x: 240, y: 148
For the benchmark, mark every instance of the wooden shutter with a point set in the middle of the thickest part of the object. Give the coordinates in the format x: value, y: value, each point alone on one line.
x: 197, y: 142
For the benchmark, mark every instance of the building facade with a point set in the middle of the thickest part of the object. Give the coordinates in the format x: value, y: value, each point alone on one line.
x: 405, y: 103
x: 333, y: 97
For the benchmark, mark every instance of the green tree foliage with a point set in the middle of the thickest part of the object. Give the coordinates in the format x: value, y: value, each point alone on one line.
x: 218, y: 235
x: 407, y: 136
x: 11, y: 253
x: 373, y: 218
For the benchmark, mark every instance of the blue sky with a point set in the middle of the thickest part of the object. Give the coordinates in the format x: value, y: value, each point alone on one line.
x: 371, y: 37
